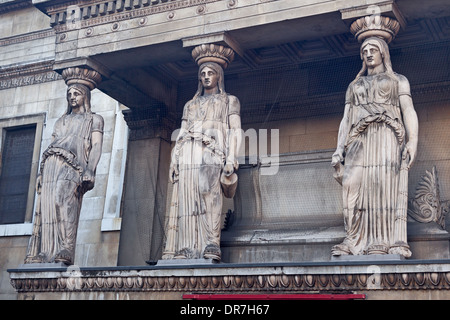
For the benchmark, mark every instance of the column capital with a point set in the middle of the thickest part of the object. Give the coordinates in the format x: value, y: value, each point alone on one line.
x: 375, y: 26
x: 217, y: 47
x: 85, y: 63
x: 152, y: 122
x: 386, y: 8
x: 380, y: 19
x: 88, y: 77
x: 220, y: 54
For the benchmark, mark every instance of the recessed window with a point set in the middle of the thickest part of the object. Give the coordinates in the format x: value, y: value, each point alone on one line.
x: 20, y: 150
x: 16, y: 165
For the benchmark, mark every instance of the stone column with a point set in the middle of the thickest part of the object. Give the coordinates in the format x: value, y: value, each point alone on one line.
x: 145, y: 185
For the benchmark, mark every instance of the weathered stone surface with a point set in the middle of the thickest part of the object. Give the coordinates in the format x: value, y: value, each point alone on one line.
x: 377, y: 145
x: 371, y: 278
x: 204, y: 161
x: 303, y: 45
x: 67, y: 172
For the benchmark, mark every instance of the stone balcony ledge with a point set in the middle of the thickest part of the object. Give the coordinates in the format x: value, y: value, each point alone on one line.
x: 366, y: 275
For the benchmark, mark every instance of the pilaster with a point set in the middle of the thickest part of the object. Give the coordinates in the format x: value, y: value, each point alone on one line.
x: 145, y: 186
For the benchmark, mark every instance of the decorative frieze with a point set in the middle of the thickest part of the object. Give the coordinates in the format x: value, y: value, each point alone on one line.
x: 27, y: 37
x: 138, y: 281
x: 11, y: 5
x: 98, y: 12
x: 17, y: 76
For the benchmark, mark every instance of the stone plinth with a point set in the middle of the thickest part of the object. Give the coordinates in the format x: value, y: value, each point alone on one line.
x: 39, y: 266
x: 187, y: 263
x: 371, y: 257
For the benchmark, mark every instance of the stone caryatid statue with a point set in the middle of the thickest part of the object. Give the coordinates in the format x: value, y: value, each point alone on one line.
x: 377, y: 144
x: 67, y: 171
x: 203, y: 161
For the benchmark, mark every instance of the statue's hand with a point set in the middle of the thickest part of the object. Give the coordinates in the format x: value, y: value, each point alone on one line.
x: 39, y: 184
x: 411, y: 151
x: 337, y: 159
x: 228, y: 169
x: 173, y: 173
x: 88, y: 179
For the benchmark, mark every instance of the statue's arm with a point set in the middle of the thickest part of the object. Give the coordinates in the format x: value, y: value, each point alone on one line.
x: 96, y: 151
x: 338, y: 156
x: 410, y: 120
x: 235, y: 136
x: 174, y: 170
x: 56, y: 129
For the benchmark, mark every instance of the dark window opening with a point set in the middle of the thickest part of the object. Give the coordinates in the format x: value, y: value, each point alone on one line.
x: 17, y: 156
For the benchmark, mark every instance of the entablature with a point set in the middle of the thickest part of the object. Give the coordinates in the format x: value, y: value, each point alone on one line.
x: 143, y: 48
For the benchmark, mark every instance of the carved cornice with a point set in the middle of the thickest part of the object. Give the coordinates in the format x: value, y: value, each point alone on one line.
x: 24, y: 75
x: 29, y: 80
x: 73, y: 282
x: 27, y: 37
x: 12, y: 5
x: 18, y: 75
x: 85, y: 14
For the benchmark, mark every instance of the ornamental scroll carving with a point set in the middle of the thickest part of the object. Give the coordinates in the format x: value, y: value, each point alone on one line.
x: 426, y: 206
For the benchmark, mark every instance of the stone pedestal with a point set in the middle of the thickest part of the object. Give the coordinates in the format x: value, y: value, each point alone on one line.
x: 366, y: 258
x: 37, y: 266
x: 186, y: 262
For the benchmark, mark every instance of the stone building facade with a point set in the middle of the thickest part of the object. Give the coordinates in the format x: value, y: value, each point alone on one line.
x: 293, y: 62
x: 33, y: 95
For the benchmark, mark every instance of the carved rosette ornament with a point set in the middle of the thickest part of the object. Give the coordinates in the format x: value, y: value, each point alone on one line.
x: 213, y: 53
x: 375, y: 26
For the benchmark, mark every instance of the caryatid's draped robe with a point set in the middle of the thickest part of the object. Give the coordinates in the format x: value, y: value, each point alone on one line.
x: 63, y: 165
x: 373, y: 178
x: 373, y: 159
x: 201, y: 150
